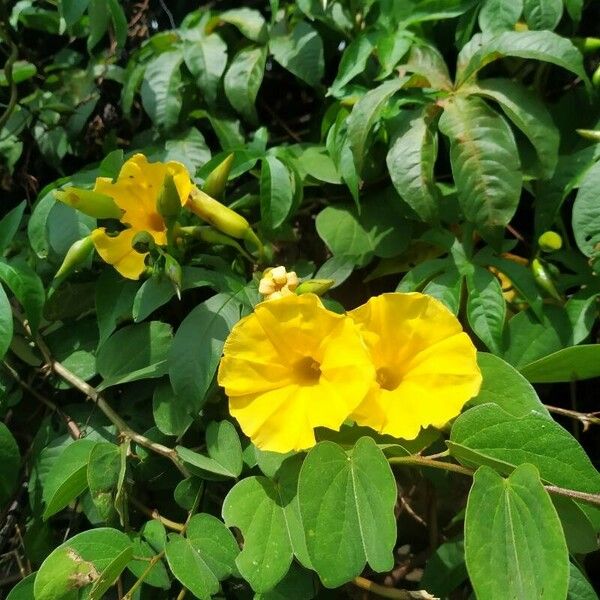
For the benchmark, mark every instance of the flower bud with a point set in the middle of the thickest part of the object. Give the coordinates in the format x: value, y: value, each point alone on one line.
x: 550, y: 241
x: 543, y: 278
x: 589, y: 134
x: 76, y: 255
x: 277, y: 283
x: 221, y: 217
x: 142, y: 242
x: 168, y: 203
x: 174, y: 273
x: 212, y: 236
x: 89, y: 203
x: 215, y: 182
x: 314, y: 286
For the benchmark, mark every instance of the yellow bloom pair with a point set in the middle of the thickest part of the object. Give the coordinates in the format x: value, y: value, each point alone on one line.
x: 398, y: 363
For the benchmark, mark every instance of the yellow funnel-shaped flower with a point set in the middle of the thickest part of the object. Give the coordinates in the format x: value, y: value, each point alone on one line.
x: 426, y: 365
x: 136, y: 192
x: 292, y: 366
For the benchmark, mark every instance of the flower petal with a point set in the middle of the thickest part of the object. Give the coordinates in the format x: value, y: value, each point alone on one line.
x: 276, y: 401
x: 118, y: 252
x: 419, y: 344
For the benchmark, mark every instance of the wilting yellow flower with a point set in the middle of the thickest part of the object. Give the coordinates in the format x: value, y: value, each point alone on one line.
x: 277, y: 283
x: 426, y: 365
x: 291, y: 366
x: 135, y: 192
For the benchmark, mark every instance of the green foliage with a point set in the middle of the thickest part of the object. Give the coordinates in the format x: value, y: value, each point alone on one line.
x: 418, y: 146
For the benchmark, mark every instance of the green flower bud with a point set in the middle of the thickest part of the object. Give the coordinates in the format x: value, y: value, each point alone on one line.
x: 76, y: 255
x: 221, y: 217
x: 314, y: 286
x: 215, y: 182
x: 168, y: 203
x: 142, y: 242
x: 550, y: 241
x: 589, y: 134
x: 89, y: 203
x: 174, y: 273
x: 596, y: 78
x: 543, y: 278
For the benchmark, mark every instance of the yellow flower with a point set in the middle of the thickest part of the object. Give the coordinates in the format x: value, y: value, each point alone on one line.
x: 426, y: 365
x: 135, y: 192
x: 291, y: 366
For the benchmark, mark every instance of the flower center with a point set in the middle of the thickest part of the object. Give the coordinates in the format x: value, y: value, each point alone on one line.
x: 156, y: 222
x: 387, y: 378
x: 307, y: 370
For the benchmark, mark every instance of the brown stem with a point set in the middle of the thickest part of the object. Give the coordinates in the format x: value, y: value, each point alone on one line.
x: 93, y: 394
x: 388, y: 592
x: 586, y: 419
x: 72, y: 426
x: 424, y: 461
x: 154, y: 514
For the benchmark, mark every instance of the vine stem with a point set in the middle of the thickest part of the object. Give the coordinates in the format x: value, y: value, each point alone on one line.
x: 424, y: 461
x: 93, y: 394
x: 586, y: 419
x: 154, y: 514
x: 388, y: 592
x: 143, y: 576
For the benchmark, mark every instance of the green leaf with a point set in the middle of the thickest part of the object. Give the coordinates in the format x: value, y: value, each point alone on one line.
x: 151, y: 540
x: 298, y: 584
x: 266, y: 512
x: 204, y: 557
x: 427, y: 62
x: 197, y: 347
x: 37, y: 229
x: 569, y: 364
x: 542, y: 14
x: 6, y: 323
x: 514, y: 544
x: 99, y: 18
x: 95, y: 557
x: 73, y: 10
x: 528, y: 113
x: 27, y: 287
x: 24, y: 589
x: 104, y: 475
x: 10, y: 460
x: 114, y: 300
x: 249, y: 21
x: 119, y: 21
x: 224, y: 449
x: 365, y: 114
x: 134, y: 352
x: 499, y: 15
x: 586, y: 213
x: 353, y: 62
x: 445, y: 569
x: 505, y: 386
x: 171, y: 415
x: 536, y: 45
x: 377, y: 230
x: 485, y: 163
x: 447, y: 288
x: 189, y: 148
x: 486, y: 308
x: 9, y: 225
x: 67, y: 477
x: 410, y: 162
x: 152, y: 294
x: 206, y: 58
x: 276, y: 192
x: 531, y: 339
x: 347, y: 507
x: 161, y: 89
x: 300, y: 52
x: 487, y: 435
x: 579, y: 587
x: 243, y: 79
